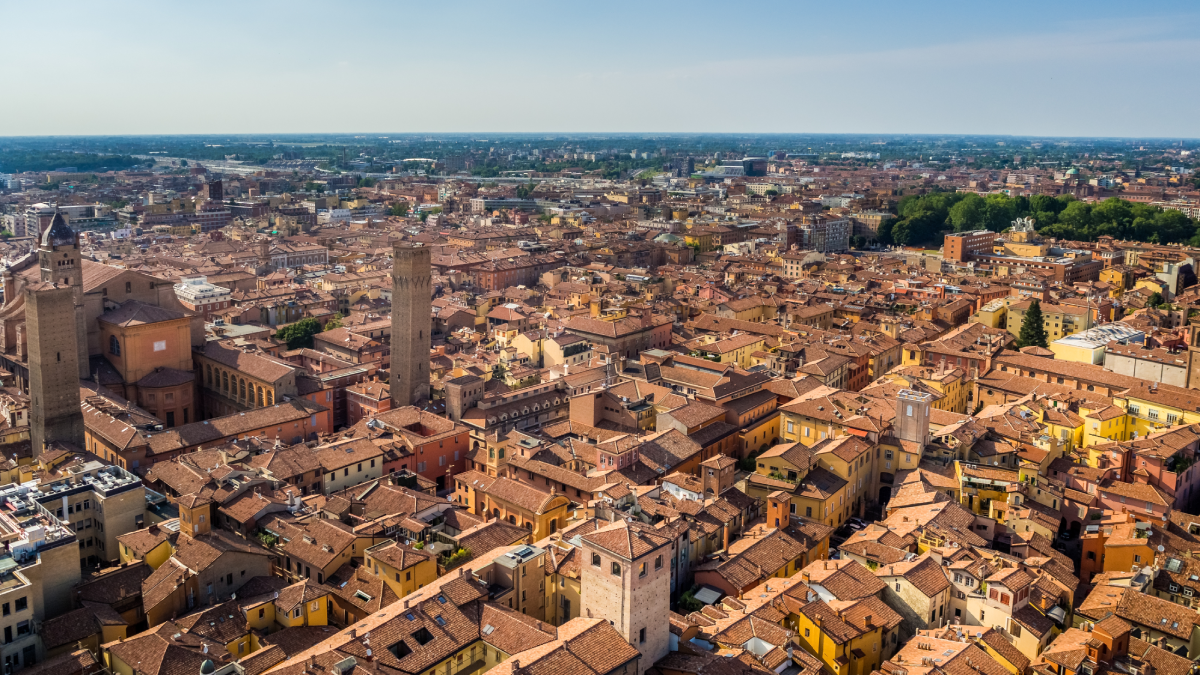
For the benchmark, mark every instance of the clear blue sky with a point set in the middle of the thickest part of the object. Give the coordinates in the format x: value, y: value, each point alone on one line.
x: 1032, y: 68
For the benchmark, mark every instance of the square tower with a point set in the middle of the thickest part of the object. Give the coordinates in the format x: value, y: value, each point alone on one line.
x: 55, y: 414
x: 412, y: 290
x: 912, y: 416
x: 625, y: 577
x: 60, y: 262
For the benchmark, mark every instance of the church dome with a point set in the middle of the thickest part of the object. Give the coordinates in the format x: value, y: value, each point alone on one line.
x: 59, y: 233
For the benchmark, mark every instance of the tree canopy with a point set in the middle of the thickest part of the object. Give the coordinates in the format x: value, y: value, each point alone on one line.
x: 922, y: 218
x: 300, y: 334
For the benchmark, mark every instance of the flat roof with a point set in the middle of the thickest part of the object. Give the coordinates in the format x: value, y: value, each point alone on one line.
x: 1099, y: 336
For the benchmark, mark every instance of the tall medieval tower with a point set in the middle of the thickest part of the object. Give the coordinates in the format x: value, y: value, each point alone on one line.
x: 412, y: 290
x: 57, y: 340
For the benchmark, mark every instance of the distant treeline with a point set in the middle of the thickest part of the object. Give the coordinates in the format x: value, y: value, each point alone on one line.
x: 923, y: 218
x: 18, y: 161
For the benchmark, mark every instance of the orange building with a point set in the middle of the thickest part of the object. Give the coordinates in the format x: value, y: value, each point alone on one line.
x: 1117, y: 544
x: 150, y: 349
x: 367, y: 399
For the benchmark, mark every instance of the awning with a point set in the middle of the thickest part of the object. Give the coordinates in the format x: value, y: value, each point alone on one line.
x: 708, y: 595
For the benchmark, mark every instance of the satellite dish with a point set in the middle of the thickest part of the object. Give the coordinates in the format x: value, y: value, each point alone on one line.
x: 1161, y: 548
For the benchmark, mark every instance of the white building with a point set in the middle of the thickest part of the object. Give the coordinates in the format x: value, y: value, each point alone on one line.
x: 200, y: 296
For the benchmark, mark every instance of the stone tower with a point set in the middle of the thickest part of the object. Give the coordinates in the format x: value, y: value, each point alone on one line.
x: 625, y: 575
x: 411, y: 311
x: 60, y: 262
x: 912, y: 416
x: 717, y: 475
x: 51, y: 312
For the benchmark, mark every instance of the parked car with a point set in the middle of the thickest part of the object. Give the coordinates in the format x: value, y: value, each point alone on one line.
x: 856, y: 523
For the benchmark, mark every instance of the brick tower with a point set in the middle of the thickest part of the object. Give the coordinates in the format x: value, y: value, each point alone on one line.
x: 625, y: 575
x: 411, y: 310
x: 59, y: 258
x: 54, y: 320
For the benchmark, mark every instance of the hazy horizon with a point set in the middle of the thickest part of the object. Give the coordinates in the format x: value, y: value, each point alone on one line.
x: 939, y: 69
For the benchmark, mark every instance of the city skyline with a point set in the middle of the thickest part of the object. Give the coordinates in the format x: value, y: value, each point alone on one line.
x: 141, y: 69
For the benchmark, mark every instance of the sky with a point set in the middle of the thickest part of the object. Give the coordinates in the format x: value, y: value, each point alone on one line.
x: 1098, y: 68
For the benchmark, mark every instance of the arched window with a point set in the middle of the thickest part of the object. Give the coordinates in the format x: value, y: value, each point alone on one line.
x: 616, y: 569
x: 225, y: 380
x: 242, y: 389
x: 271, y: 397
x: 114, y: 345
x: 208, y: 373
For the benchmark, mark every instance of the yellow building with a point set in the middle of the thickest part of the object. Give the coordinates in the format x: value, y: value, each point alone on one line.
x: 737, y: 350
x: 818, y: 494
x: 302, y: 604
x: 1025, y: 249
x: 950, y: 384
x: 984, y: 488
x: 153, y: 544
x: 542, y: 513
x: 403, y: 568
x: 1062, y: 424
x: 1149, y: 410
x: 1103, y: 424
x: 993, y: 315
x: 701, y: 240
x: 1058, y: 320
x: 786, y: 461
x: 844, y: 634
x: 1119, y: 277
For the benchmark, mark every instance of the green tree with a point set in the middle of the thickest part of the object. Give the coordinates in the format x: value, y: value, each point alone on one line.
x: 688, y: 601
x: 1033, y: 331
x: 399, y: 209
x: 335, y: 322
x: 299, y: 334
x: 1155, y: 300
x: 968, y: 214
x: 884, y: 234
